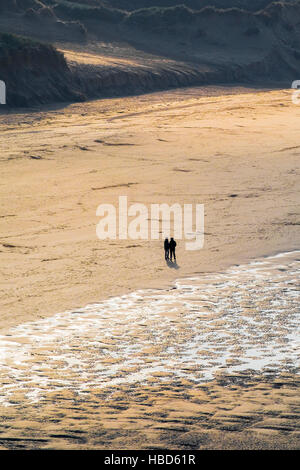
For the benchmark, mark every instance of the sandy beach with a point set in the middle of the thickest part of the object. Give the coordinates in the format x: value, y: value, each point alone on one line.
x: 238, y: 154
x: 236, y: 150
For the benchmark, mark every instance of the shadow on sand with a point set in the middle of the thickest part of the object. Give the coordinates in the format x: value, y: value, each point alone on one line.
x: 172, y: 265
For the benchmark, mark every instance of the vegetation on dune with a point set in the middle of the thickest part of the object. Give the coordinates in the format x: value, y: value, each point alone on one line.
x: 151, y: 14
x: 160, y: 14
x: 17, y: 46
x: 11, y: 42
x: 130, y: 5
x: 82, y: 11
x: 24, y: 4
x: 116, y: 10
x: 93, y: 3
x: 16, y: 5
x: 156, y: 16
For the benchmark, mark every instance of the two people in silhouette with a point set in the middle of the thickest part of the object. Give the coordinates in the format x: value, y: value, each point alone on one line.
x: 170, y: 247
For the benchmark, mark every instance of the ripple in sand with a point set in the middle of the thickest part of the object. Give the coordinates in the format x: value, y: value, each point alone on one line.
x: 244, y: 319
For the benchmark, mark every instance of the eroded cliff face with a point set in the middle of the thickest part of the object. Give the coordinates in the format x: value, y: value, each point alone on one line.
x: 34, y: 73
x: 41, y: 75
x: 186, y: 48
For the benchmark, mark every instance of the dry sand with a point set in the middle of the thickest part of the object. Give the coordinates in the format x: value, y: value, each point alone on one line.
x: 236, y: 152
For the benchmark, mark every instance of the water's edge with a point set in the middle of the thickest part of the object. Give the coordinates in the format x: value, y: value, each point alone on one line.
x: 243, y: 320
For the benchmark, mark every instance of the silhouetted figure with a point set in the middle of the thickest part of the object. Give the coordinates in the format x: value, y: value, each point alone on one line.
x: 172, y: 246
x: 167, y: 249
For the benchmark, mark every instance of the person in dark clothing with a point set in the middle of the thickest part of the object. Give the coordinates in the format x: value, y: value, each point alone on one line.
x: 172, y: 246
x: 167, y: 249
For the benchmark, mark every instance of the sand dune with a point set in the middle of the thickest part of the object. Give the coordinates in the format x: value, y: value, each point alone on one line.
x: 111, y: 52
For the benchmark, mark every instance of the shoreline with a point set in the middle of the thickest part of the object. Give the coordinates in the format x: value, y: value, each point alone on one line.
x: 170, y: 284
x: 165, y: 284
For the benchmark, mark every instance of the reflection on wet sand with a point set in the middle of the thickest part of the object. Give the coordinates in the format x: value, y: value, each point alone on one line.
x: 242, y: 320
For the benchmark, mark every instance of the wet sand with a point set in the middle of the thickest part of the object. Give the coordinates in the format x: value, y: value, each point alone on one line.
x: 212, y: 363
x: 244, y: 320
x: 252, y: 414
